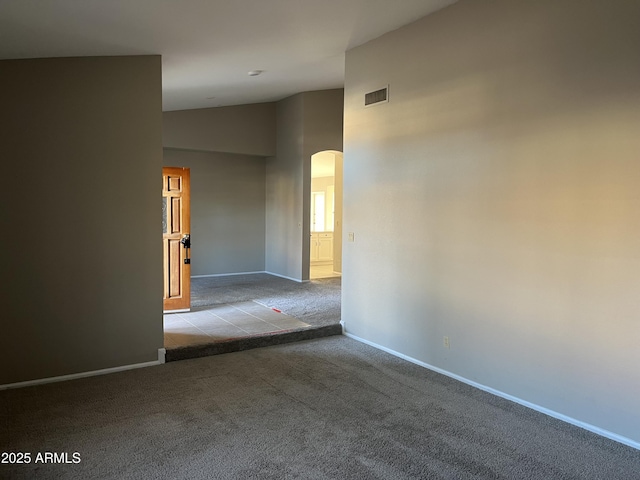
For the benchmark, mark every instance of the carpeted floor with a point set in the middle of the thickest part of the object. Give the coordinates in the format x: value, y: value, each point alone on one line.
x: 331, y: 408
x: 316, y: 302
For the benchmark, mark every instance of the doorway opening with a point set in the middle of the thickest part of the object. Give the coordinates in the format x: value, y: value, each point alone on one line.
x: 237, y: 311
x: 325, y: 248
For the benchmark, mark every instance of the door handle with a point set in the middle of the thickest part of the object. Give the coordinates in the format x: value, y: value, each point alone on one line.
x: 186, y: 243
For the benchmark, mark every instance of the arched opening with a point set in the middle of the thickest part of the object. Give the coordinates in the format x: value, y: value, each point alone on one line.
x: 325, y: 215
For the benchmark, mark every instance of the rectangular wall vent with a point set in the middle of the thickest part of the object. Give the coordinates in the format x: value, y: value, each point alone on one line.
x: 379, y: 96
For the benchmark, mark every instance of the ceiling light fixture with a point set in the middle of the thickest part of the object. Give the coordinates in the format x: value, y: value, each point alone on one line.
x: 255, y: 73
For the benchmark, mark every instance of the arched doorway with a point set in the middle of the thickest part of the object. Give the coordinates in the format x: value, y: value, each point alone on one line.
x: 325, y: 249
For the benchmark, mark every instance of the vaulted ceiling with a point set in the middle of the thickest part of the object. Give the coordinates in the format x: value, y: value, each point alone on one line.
x: 209, y: 46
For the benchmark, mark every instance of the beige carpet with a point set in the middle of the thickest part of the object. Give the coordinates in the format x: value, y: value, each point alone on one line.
x: 322, y: 409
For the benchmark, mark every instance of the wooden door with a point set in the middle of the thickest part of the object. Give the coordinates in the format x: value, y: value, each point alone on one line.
x: 176, y: 228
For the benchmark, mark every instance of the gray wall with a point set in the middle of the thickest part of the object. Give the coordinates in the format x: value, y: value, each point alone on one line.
x: 227, y: 210
x: 295, y: 128
x: 284, y: 178
x: 495, y: 200
x: 246, y: 129
x: 322, y: 130
x: 338, y: 233
x: 306, y: 124
x: 81, y: 261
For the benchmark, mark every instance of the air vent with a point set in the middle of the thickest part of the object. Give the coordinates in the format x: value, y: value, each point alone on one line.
x: 379, y: 96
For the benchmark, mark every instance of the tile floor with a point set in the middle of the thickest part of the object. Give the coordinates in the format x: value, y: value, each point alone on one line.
x: 224, y: 322
x: 322, y: 271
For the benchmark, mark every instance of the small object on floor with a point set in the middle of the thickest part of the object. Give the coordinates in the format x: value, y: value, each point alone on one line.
x: 276, y: 310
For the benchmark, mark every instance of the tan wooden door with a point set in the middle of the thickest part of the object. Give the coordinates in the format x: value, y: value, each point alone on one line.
x: 176, y: 227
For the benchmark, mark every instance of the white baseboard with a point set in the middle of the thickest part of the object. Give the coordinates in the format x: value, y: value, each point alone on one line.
x: 250, y: 273
x: 226, y: 274
x: 592, y: 428
x: 93, y: 373
x: 288, y: 278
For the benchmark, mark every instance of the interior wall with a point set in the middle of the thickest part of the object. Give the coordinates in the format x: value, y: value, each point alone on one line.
x: 227, y: 210
x: 284, y: 210
x: 307, y: 123
x: 338, y: 222
x: 322, y: 130
x: 322, y: 184
x: 81, y: 261
x: 498, y: 193
x: 245, y: 129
